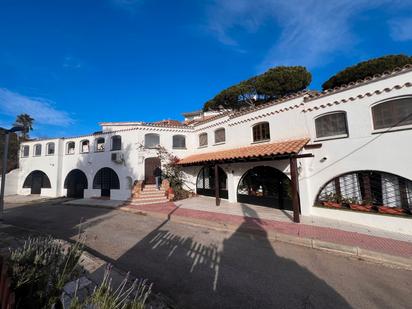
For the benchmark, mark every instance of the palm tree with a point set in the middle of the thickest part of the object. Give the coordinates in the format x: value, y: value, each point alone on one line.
x: 26, y: 122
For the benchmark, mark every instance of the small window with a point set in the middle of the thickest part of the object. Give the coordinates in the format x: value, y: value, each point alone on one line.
x: 116, y: 142
x: 100, y: 144
x: 85, y: 146
x: 220, y: 136
x: 37, y: 150
x: 261, y: 132
x: 392, y: 114
x: 50, y: 149
x: 333, y: 124
x: 179, y: 141
x: 25, y: 150
x: 151, y: 140
x: 70, y: 148
x: 203, y: 140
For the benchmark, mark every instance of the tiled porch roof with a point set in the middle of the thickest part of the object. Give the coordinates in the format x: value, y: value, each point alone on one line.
x: 262, y: 151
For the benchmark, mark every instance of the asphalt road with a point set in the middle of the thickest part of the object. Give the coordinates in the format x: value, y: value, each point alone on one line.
x: 204, y: 268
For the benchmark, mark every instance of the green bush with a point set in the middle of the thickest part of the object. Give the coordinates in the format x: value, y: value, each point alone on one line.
x: 128, y: 295
x: 366, y: 69
x: 40, y: 269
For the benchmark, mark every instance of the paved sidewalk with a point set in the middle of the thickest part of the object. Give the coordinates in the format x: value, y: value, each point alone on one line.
x: 356, y: 243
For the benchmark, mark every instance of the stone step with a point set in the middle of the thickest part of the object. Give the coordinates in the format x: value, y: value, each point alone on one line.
x: 149, y: 198
x: 139, y: 202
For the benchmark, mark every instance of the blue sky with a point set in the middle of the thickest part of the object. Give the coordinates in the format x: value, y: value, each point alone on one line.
x: 71, y: 64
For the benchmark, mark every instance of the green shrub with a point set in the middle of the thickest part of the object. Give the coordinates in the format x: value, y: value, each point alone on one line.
x: 366, y: 69
x: 128, y: 295
x: 40, y: 269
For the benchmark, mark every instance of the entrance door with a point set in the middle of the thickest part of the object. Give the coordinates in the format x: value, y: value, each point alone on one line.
x: 75, y: 183
x: 150, y: 164
x: 36, y: 183
x: 105, y: 193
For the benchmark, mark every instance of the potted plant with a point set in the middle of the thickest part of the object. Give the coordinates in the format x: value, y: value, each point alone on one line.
x: 333, y: 200
x: 364, y: 205
x: 392, y: 210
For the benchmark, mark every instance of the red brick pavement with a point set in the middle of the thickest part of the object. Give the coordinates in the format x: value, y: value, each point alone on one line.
x: 363, y: 241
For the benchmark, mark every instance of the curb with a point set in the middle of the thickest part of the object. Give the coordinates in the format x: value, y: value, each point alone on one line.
x: 349, y: 251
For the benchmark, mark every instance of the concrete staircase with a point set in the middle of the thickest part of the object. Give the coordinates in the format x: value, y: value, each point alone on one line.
x: 149, y: 195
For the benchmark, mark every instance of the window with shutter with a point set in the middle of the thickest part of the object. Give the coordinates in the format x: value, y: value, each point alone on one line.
x: 333, y: 124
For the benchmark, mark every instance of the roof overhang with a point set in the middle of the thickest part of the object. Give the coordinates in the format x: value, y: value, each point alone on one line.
x: 269, y: 151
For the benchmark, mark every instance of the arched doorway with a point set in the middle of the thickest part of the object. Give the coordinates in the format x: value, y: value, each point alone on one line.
x: 36, y: 180
x: 265, y: 186
x: 150, y: 164
x: 106, y: 179
x: 205, y: 184
x: 75, y: 183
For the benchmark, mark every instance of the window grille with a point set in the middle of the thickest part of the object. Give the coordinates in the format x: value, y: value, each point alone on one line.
x: 203, y: 140
x: 220, y: 136
x: 116, y: 142
x: 179, y: 141
x: 331, y: 125
x: 393, y: 113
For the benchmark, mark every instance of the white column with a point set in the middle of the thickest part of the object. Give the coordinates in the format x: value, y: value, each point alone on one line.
x: 231, y: 186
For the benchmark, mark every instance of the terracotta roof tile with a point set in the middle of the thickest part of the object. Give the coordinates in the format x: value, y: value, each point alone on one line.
x: 255, y: 151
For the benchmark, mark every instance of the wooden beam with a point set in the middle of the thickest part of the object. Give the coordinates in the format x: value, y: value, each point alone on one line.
x: 217, y: 189
x: 295, y: 189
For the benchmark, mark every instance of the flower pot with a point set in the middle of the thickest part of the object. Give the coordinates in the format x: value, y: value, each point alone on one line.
x: 359, y: 207
x: 392, y: 210
x: 332, y: 204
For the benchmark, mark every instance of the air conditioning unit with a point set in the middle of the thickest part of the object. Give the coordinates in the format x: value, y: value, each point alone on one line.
x: 117, y: 157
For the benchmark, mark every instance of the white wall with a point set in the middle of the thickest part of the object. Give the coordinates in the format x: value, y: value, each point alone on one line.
x: 364, y: 149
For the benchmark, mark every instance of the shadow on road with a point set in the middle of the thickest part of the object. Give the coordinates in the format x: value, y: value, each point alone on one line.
x: 242, y: 271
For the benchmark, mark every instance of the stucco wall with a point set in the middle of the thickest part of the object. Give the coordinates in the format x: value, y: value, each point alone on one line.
x: 363, y: 149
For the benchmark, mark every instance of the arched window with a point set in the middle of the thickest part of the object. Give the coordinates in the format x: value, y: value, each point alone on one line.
x: 203, y: 140
x: 220, y: 136
x: 261, y: 132
x: 35, y: 181
x: 25, y: 150
x: 116, y: 142
x: 70, y: 147
x: 106, y: 179
x: 265, y: 186
x: 179, y: 141
x: 205, y: 184
x: 151, y: 140
x: 50, y: 149
x: 85, y: 146
x: 394, y: 113
x: 37, y: 150
x: 331, y: 125
x: 371, y: 191
x: 100, y: 144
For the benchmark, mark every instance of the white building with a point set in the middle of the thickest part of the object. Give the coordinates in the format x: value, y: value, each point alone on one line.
x: 353, y: 143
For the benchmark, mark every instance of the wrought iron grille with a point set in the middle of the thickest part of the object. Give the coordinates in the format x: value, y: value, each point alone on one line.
x: 377, y: 189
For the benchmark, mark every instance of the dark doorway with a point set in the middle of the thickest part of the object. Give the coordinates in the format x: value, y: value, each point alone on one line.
x: 106, y: 179
x: 75, y: 183
x: 36, y: 180
x: 150, y: 164
x: 205, y: 184
x: 265, y: 186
